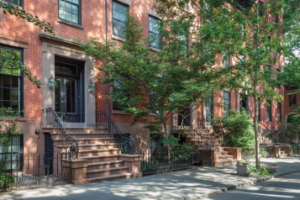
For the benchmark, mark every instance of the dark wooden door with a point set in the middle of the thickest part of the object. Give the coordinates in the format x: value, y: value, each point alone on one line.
x: 48, y: 154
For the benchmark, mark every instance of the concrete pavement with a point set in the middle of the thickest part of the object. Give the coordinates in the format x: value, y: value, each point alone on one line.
x: 187, y: 184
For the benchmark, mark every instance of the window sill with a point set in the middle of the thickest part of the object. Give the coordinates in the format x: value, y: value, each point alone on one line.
x: 22, y: 119
x: 70, y: 23
x: 292, y: 106
x: 119, y: 112
x: 155, y: 49
x: 118, y: 38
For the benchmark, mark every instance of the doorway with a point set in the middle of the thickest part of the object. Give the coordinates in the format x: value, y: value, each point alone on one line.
x: 69, y: 90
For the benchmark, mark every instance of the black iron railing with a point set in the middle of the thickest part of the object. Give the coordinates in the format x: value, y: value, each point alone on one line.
x: 125, y: 142
x: 161, y: 160
x: 34, y: 171
x: 69, y: 143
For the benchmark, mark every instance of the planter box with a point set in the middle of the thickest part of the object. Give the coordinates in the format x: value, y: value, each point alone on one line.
x: 242, y: 170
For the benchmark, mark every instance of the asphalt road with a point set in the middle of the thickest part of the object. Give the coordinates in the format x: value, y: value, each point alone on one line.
x: 284, y: 187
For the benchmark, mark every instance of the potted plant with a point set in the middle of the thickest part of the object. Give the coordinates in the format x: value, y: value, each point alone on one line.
x: 242, y: 168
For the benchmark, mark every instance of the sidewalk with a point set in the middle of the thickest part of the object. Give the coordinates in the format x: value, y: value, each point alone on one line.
x: 187, y: 184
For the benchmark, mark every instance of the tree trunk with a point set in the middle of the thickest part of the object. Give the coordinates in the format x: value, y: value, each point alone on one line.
x: 256, y: 131
x: 167, y: 135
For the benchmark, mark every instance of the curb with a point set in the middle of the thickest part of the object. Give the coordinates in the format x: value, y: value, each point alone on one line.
x: 241, y: 185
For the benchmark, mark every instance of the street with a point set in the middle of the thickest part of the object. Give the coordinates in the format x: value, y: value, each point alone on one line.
x: 284, y: 187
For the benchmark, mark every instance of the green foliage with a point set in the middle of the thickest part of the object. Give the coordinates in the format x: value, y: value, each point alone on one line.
x: 21, y: 13
x: 261, y: 171
x: 243, y: 163
x: 236, y: 128
x: 263, y: 152
x: 6, y: 181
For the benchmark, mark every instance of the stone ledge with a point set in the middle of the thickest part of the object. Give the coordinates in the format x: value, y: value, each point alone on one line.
x: 57, y: 38
x: 69, y: 23
x: 115, y: 37
x: 119, y: 112
x: 13, y: 42
x: 22, y: 119
x: 154, y: 49
x: 127, y: 2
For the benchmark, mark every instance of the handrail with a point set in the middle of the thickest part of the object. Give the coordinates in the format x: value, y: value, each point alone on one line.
x: 125, y: 142
x: 69, y: 143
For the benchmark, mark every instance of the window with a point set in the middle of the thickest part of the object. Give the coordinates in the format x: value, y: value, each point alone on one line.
x: 208, y: 9
x: 184, y: 43
x: 11, y: 79
x: 118, y: 17
x: 16, y: 147
x: 182, y: 4
x: 243, y: 104
x: 258, y: 105
x: 117, y: 105
x: 69, y: 10
x: 279, y: 112
x: 261, y: 9
x: 227, y: 103
x: 269, y: 111
x: 16, y: 2
x: 154, y: 142
x: 226, y: 60
x: 292, y: 100
x: 242, y: 26
x: 276, y: 19
x: 154, y: 32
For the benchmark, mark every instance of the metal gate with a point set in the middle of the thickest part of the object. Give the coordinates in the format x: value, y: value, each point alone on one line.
x: 205, y: 157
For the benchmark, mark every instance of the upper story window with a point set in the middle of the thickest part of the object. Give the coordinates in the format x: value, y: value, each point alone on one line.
x: 183, y: 38
x: 276, y: 19
x: 118, y: 17
x: 226, y: 60
x: 292, y: 100
x: 279, y: 112
x: 261, y: 9
x: 258, y: 105
x: 227, y: 102
x: 269, y: 111
x: 155, y: 32
x: 11, y: 79
x: 182, y: 4
x: 16, y: 2
x: 69, y: 10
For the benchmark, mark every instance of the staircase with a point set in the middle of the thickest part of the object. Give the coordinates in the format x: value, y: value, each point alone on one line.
x: 202, y: 139
x: 98, y: 147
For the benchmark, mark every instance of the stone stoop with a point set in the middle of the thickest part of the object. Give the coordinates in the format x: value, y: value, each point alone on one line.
x: 281, y: 151
x: 99, y: 158
x: 225, y: 156
x: 193, y: 139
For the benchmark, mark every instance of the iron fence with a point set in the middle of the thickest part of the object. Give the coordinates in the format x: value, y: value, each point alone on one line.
x: 19, y: 172
x: 162, y: 160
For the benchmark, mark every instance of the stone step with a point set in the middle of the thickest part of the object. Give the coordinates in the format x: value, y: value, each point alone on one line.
x: 93, y: 146
x: 106, y: 172
x: 88, y: 141
x: 76, y: 130
x: 98, y: 152
x: 109, y: 178
x: 106, y: 164
x: 83, y: 135
x: 227, y: 162
x: 102, y: 158
x: 225, y: 157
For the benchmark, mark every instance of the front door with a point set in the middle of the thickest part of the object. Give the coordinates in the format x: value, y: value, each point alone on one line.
x: 209, y: 111
x: 68, y: 92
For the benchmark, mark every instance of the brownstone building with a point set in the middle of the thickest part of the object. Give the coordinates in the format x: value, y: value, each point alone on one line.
x: 75, y: 95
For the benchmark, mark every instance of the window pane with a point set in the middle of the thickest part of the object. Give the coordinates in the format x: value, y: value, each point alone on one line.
x: 75, y: 18
x: 292, y: 100
x: 75, y: 1
x: 119, y: 16
x: 1, y: 94
x: 15, y: 95
x: 16, y: 2
x: 68, y: 7
x: 15, y: 105
x: 15, y: 81
x: 69, y: 10
x: 6, y: 81
x: 71, y: 95
x: 118, y: 27
x: 269, y: 111
x: 6, y: 94
x: 279, y: 112
x: 62, y: 14
x: 68, y: 16
x: 74, y: 9
x: 6, y: 104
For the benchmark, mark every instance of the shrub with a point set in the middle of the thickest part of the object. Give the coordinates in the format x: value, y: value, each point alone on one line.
x: 236, y: 129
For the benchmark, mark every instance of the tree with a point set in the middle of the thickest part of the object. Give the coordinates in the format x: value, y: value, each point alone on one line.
x: 244, y: 31
x: 155, y: 84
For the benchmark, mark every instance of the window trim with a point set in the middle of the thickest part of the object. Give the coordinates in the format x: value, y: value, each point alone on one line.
x: 160, y: 48
x: 21, y: 3
x: 79, y: 14
x: 21, y: 76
